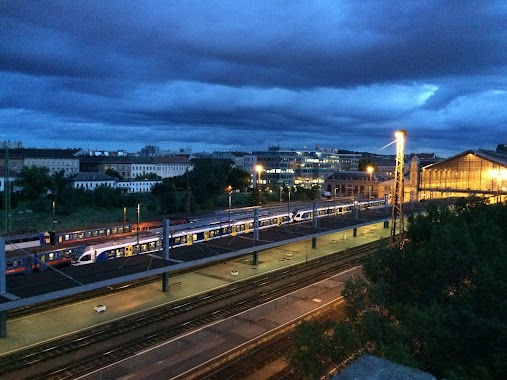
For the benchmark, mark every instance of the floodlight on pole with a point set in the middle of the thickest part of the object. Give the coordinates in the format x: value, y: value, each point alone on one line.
x: 370, y: 170
x: 259, y: 169
x: 397, y: 228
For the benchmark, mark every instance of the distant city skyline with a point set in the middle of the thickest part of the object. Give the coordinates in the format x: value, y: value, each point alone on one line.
x: 242, y: 76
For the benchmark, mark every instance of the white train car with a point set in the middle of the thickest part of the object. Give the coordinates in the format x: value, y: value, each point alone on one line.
x: 131, y: 246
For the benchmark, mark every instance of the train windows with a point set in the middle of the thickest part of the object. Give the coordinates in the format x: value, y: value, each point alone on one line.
x: 51, y: 256
x: 180, y: 240
x: 119, y: 252
x: 13, y: 263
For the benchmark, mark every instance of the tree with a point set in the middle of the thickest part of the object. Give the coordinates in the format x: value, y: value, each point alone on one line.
x: 107, y: 197
x: 238, y: 178
x: 113, y: 173
x: 209, y: 178
x: 439, y: 304
x: 35, y: 182
x: 166, y: 192
x: 150, y: 176
x: 58, y: 184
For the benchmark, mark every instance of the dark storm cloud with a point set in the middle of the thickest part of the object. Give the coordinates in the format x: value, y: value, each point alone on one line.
x: 243, y: 75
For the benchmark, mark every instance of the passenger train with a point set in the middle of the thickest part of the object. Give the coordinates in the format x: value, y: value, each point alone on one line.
x: 127, y: 247
x: 61, y: 238
x: 26, y: 263
x: 131, y: 246
x: 303, y: 215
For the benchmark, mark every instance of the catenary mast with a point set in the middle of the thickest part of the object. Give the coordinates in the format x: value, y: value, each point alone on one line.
x: 7, y: 191
x: 397, y: 228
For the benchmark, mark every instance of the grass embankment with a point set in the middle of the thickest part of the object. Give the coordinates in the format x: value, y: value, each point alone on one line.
x: 25, y: 218
x: 23, y: 221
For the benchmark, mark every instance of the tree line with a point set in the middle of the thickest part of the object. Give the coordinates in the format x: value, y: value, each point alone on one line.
x: 204, y: 188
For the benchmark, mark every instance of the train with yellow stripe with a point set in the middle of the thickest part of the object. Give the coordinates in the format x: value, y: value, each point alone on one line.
x: 185, y: 235
x: 149, y: 244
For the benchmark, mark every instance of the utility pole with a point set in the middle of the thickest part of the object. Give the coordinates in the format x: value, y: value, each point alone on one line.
x: 397, y: 228
x: 7, y: 191
x: 187, y: 195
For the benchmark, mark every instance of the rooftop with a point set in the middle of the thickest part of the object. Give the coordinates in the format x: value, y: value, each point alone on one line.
x: 369, y: 367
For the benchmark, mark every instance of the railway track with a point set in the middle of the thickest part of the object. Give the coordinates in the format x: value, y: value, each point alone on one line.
x: 78, y: 354
x: 268, y: 359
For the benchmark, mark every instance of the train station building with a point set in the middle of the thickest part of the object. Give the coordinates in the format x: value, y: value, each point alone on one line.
x: 473, y: 172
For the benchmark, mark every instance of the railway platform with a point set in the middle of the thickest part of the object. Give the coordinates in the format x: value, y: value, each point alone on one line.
x: 24, y: 332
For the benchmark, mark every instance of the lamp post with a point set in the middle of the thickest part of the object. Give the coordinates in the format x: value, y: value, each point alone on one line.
x: 54, y: 212
x: 258, y: 169
x: 288, y: 203
x: 229, y: 189
x: 370, y: 185
x: 356, y: 209
x: 138, y: 215
x: 335, y: 212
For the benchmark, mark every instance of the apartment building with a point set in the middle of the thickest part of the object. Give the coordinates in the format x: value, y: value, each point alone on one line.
x: 55, y: 160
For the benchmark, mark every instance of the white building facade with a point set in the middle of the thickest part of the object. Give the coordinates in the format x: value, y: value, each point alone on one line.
x: 136, y: 186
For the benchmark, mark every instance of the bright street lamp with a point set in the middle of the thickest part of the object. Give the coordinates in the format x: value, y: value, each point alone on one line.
x: 258, y: 169
x: 229, y: 189
x: 370, y: 169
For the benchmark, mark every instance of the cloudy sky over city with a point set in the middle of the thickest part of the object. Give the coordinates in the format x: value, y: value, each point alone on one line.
x: 245, y: 75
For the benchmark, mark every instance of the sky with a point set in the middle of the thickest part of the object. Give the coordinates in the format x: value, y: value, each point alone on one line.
x: 245, y: 75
